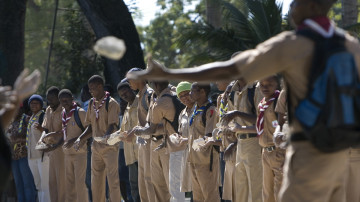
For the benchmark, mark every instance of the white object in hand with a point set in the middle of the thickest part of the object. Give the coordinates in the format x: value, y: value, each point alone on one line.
x: 197, y: 143
x: 110, y: 47
x: 174, y: 139
x: 115, y: 138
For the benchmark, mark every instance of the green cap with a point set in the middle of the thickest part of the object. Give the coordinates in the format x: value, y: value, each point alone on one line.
x: 182, y: 86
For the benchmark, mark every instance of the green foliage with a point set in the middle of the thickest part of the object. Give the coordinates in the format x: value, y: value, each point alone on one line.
x: 74, y: 60
x: 243, y: 28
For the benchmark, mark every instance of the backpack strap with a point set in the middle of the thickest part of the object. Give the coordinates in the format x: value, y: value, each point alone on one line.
x: 77, y: 119
x: 203, y: 115
x: 107, y: 103
x: 147, y: 94
x: 41, y: 118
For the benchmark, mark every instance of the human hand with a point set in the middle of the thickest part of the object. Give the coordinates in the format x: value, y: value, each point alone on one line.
x: 8, y: 99
x: 49, y: 138
x: 155, y: 71
x: 25, y: 84
x: 229, y: 116
x: 78, y: 143
x: 69, y: 143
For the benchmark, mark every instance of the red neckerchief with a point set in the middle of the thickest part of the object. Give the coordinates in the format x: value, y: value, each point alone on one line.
x: 262, y: 107
x: 320, y: 24
x: 66, y: 118
x: 107, y: 94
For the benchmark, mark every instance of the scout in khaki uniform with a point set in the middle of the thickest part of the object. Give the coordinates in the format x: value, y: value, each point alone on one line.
x: 52, y: 125
x: 205, y: 160
x: 248, y: 168
x: 101, y: 120
x: 130, y: 120
x: 161, y: 109
x: 309, y: 173
x: 75, y: 161
x: 228, y: 143
x: 146, y: 188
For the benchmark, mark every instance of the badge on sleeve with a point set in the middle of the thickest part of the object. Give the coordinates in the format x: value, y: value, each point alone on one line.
x: 275, y: 123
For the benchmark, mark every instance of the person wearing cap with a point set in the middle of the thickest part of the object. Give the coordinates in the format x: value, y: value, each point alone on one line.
x: 181, y: 143
x: 129, y: 121
x: 159, y: 128
x: 146, y: 188
x: 38, y: 160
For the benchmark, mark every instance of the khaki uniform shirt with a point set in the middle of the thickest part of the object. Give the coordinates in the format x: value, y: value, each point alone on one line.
x: 197, y: 130
x: 129, y: 121
x: 52, y: 119
x: 184, y: 119
x: 292, y: 56
x: 34, y: 136
x: 106, y: 118
x: 270, y: 123
x: 163, y: 107
x: 281, y: 105
x: 73, y: 131
x: 142, y: 112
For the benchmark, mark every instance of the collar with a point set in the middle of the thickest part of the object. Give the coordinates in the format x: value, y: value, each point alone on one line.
x: 322, y: 25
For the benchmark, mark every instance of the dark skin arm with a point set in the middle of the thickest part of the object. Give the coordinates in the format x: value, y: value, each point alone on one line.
x: 80, y: 141
x: 229, y: 116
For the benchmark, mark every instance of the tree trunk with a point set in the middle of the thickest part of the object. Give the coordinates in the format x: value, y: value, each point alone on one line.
x: 349, y: 12
x: 112, y: 17
x: 12, y: 26
x: 213, y: 13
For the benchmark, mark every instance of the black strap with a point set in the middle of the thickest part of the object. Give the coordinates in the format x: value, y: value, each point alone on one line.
x: 41, y: 118
x: 78, y: 120
x: 251, y: 96
x: 203, y: 115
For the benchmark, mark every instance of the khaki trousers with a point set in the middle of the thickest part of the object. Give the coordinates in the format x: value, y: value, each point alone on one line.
x: 314, y: 176
x: 104, y: 163
x: 248, y: 171
x: 160, y: 174
x: 353, y: 183
x: 273, y: 163
x: 205, y: 182
x: 229, y: 182
x: 57, y: 175
x: 146, y: 188
x: 75, y: 172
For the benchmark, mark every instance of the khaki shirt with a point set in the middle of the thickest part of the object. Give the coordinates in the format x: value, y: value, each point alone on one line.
x: 106, y: 118
x: 33, y: 137
x: 292, y: 56
x: 197, y: 130
x: 281, y: 105
x: 184, y: 120
x: 270, y: 123
x: 52, y: 119
x: 142, y: 112
x: 162, y: 107
x: 73, y: 131
x: 129, y: 121
x: 242, y: 103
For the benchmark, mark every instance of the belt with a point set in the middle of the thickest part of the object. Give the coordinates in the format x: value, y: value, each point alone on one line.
x: 246, y: 136
x: 157, y: 138
x: 270, y: 149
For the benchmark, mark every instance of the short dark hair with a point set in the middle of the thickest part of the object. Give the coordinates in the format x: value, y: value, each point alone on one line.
x: 65, y: 93
x: 123, y: 85
x: 53, y: 90
x: 206, y: 87
x: 96, y: 79
x: 162, y: 84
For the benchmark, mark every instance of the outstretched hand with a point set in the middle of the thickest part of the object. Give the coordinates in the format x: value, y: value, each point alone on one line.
x: 155, y: 71
x: 26, y: 84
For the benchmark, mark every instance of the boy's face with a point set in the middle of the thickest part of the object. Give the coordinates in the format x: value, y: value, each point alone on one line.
x: 66, y: 102
x: 268, y: 86
x: 96, y: 90
x: 53, y: 100
x: 126, y: 94
x: 35, y: 106
x: 185, y: 98
x: 195, y: 93
x: 300, y: 10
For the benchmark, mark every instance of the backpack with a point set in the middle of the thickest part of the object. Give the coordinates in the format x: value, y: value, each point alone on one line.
x: 178, y: 108
x: 77, y: 119
x: 147, y: 96
x: 203, y: 114
x: 250, y: 95
x: 330, y: 113
x: 41, y: 118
